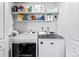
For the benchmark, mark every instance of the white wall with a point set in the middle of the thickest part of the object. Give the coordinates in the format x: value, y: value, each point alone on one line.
x: 1, y: 31
x: 75, y: 19
x: 36, y: 26
x: 68, y: 22
x: 7, y: 24
x: 1, y: 20
x: 64, y: 22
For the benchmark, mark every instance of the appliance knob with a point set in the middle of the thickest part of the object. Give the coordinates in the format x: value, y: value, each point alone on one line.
x: 51, y: 43
x: 41, y: 42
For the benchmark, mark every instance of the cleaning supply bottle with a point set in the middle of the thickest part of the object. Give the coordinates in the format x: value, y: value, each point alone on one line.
x: 20, y: 8
x: 27, y: 9
x: 30, y: 9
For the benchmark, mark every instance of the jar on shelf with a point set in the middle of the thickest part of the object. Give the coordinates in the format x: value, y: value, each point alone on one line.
x: 20, y: 17
x: 33, y: 17
x: 20, y: 8
x: 27, y: 9
x: 14, y: 8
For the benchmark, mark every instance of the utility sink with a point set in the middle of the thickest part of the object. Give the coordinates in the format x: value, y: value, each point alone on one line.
x: 50, y: 36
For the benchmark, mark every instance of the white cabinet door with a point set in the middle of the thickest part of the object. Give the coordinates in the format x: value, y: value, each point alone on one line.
x: 1, y: 53
x: 1, y: 48
x: 1, y: 20
x: 74, y: 48
x: 51, y: 48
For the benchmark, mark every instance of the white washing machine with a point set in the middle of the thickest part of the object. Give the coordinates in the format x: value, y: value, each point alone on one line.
x: 24, y: 45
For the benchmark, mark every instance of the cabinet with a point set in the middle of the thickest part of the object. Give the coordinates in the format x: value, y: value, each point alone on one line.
x: 1, y: 49
x: 1, y: 20
x: 74, y: 48
x: 51, y: 48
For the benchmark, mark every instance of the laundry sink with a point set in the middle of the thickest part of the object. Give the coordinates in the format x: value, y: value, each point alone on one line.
x: 49, y: 36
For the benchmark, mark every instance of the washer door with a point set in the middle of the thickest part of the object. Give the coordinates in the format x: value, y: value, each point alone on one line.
x: 24, y: 50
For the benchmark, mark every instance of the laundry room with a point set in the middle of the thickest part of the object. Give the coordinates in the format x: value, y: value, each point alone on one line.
x: 39, y: 29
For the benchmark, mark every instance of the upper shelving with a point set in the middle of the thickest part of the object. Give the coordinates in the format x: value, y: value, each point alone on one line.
x: 36, y: 13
